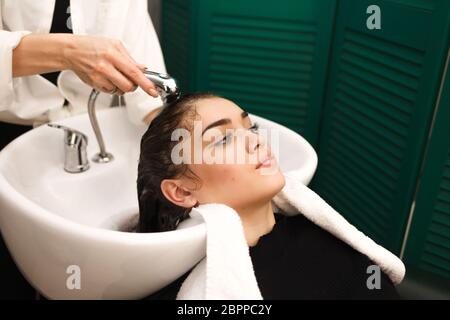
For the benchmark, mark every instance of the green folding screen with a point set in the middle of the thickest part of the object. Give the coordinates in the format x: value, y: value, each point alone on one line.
x: 427, y: 251
x: 380, y: 97
x: 269, y: 57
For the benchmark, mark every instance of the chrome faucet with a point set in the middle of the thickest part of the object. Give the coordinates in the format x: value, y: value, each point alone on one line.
x: 102, y: 156
x: 168, y: 90
x: 75, y: 143
x: 165, y: 84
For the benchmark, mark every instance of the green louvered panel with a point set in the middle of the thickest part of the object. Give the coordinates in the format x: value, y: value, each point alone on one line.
x: 266, y: 58
x: 269, y: 57
x: 177, y: 32
x: 381, y: 90
x: 427, y: 252
x: 270, y: 74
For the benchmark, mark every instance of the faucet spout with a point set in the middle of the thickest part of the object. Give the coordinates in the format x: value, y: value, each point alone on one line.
x: 167, y: 88
x: 102, y: 156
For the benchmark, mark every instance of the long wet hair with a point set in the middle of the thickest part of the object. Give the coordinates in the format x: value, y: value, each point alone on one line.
x: 156, y: 213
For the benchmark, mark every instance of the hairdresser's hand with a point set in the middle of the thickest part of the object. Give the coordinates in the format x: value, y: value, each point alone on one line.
x: 149, y: 117
x: 105, y: 64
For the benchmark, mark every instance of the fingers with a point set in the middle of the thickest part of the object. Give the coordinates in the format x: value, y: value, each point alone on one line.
x: 120, y: 81
x: 115, y: 71
x: 104, y: 85
x: 124, y: 51
x: 142, y: 66
x: 134, y: 73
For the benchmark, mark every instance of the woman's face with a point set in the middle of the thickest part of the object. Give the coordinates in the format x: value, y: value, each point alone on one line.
x: 232, y: 169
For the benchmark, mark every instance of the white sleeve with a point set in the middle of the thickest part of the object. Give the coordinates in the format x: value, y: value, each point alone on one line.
x: 146, y: 50
x: 8, y: 42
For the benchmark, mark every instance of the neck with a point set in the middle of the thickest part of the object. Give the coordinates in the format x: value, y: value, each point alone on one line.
x: 257, y: 221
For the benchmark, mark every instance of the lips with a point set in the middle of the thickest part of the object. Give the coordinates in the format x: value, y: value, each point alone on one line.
x: 266, y: 161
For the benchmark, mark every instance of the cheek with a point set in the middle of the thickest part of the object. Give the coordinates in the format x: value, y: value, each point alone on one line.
x: 217, y: 176
x: 221, y: 176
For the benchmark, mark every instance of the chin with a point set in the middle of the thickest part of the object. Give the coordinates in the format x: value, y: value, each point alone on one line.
x: 273, y: 184
x: 281, y: 181
x: 263, y: 190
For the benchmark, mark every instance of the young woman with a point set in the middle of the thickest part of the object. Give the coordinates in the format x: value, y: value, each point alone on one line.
x: 291, y: 256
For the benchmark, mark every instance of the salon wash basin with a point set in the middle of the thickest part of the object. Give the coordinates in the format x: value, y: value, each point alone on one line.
x: 65, y: 231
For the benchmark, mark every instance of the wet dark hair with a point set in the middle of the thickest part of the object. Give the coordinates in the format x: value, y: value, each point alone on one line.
x: 156, y: 213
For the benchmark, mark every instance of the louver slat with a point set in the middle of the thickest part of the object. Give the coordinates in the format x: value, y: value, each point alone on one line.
x: 435, y: 256
x: 264, y: 44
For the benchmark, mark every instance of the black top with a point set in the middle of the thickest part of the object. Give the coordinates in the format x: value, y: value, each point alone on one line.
x: 61, y: 23
x: 299, y: 260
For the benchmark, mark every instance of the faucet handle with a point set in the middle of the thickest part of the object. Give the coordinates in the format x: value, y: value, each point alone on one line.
x: 72, y: 136
x: 75, y: 143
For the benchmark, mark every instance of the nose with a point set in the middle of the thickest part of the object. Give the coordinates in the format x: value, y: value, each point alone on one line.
x: 254, y: 142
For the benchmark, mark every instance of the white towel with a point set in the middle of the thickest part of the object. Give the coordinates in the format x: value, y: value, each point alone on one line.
x: 226, y: 273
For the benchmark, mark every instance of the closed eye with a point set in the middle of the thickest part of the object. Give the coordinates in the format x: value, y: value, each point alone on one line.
x: 254, y: 127
x: 227, y: 138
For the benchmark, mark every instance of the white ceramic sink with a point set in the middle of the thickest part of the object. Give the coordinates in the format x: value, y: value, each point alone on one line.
x: 52, y: 220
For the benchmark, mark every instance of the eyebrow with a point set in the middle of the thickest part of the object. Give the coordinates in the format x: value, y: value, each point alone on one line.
x: 221, y: 122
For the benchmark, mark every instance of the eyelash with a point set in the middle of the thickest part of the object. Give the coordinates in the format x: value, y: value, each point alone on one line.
x: 225, y: 139
x: 254, y: 127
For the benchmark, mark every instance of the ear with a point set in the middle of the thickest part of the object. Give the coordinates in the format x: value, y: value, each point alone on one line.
x: 176, y: 193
